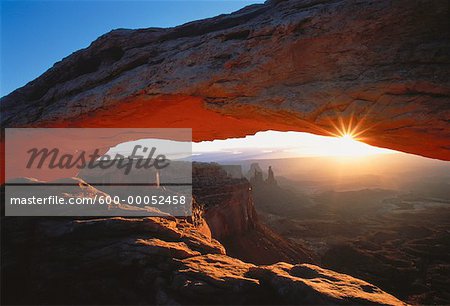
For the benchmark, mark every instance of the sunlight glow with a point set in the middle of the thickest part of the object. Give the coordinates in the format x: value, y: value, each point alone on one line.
x: 346, y: 145
x: 273, y: 144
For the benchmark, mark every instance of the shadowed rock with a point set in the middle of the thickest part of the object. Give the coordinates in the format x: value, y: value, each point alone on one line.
x: 153, y: 260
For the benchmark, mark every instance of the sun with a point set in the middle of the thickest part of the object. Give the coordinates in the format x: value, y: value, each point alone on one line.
x: 347, y: 137
x: 347, y: 145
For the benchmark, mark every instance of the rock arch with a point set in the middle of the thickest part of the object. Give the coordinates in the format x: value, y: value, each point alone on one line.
x: 380, y: 68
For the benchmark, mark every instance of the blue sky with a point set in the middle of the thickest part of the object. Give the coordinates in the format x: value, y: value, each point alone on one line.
x: 36, y: 34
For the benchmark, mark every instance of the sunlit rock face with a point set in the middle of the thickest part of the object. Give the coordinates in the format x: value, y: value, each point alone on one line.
x: 378, y: 67
x: 228, y: 201
x: 229, y: 211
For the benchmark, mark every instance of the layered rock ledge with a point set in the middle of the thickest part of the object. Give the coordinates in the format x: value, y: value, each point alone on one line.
x: 159, y: 261
x: 154, y: 261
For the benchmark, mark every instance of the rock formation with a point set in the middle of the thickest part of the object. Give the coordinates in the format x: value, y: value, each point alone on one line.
x: 231, y: 215
x: 163, y: 261
x: 228, y: 201
x: 377, y: 67
x: 254, y: 167
x: 270, y: 177
x: 224, y: 202
x: 256, y: 176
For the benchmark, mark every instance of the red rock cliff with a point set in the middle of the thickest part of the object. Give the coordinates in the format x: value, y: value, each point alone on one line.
x: 228, y: 201
x: 232, y: 218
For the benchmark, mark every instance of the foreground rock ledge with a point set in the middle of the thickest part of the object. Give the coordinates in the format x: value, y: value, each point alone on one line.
x: 155, y: 261
x: 378, y: 67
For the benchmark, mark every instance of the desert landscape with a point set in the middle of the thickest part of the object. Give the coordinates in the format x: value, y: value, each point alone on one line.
x: 345, y: 201
x: 395, y: 238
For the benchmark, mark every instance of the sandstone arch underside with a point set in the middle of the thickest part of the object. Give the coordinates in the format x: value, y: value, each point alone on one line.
x: 378, y: 67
